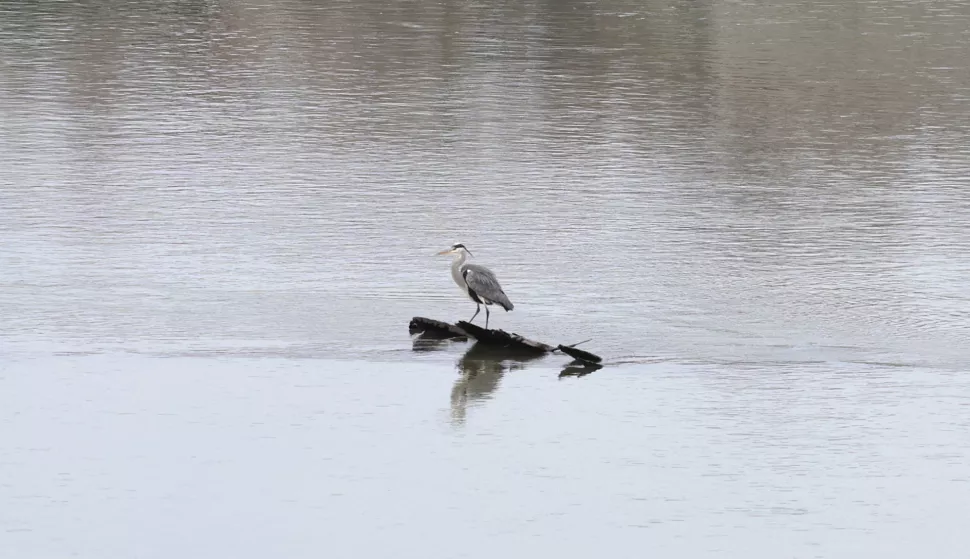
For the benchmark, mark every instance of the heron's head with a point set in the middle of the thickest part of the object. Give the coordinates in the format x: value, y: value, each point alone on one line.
x: 456, y: 248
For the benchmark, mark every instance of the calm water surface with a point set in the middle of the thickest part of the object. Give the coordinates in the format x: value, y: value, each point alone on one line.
x: 217, y: 219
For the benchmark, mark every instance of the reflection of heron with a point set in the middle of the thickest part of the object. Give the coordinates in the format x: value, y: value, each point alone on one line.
x: 482, y: 368
x: 478, y: 282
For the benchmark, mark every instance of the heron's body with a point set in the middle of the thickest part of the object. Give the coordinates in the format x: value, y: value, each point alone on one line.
x: 478, y: 282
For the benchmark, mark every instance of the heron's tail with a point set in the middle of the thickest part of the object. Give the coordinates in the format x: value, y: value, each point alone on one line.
x: 506, y: 304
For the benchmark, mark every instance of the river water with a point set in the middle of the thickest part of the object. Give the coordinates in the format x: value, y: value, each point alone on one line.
x: 217, y: 219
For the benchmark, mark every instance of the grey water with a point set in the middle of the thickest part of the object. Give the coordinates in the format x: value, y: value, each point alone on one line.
x: 217, y: 219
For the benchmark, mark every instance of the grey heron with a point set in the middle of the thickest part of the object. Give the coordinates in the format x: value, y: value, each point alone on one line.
x: 478, y: 282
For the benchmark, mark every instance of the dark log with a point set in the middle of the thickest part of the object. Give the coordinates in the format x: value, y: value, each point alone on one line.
x: 579, y: 354
x: 430, y: 328
x: 503, y: 338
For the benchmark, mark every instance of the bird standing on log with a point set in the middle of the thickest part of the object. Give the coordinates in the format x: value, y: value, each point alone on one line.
x: 478, y: 282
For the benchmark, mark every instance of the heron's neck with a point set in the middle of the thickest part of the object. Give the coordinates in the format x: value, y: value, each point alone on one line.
x: 456, y: 271
x: 459, y: 260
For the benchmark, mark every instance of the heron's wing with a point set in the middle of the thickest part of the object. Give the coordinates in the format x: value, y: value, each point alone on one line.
x: 482, y: 281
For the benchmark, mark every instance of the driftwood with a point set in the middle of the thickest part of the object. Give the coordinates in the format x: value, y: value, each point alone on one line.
x: 504, y: 339
x: 431, y: 329
x: 579, y: 354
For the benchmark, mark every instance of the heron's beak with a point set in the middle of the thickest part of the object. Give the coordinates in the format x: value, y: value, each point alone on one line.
x: 446, y: 251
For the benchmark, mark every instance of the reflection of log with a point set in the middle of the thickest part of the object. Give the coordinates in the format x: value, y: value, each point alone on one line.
x: 504, y: 339
x: 579, y: 368
x: 430, y: 328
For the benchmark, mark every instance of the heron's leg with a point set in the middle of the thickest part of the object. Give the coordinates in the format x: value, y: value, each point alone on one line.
x: 486, y: 317
x: 477, y: 310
